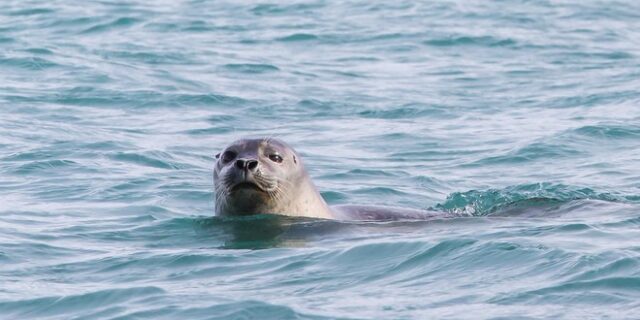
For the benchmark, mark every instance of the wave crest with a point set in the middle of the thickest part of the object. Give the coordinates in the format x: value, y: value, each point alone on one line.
x: 482, y: 203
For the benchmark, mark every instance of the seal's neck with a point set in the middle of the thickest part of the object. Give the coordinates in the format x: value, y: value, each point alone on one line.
x: 308, y: 202
x: 302, y: 200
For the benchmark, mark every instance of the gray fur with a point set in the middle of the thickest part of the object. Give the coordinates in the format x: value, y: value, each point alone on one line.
x: 284, y: 188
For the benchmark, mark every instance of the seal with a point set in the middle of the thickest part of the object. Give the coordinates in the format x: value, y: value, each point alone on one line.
x: 267, y: 176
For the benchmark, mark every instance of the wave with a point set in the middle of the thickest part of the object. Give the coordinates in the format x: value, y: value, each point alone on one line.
x: 573, y: 143
x: 493, y: 201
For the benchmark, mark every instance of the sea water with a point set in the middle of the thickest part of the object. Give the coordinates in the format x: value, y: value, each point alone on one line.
x: 521, y: 119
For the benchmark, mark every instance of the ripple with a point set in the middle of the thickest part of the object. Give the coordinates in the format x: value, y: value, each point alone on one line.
x: 363, y: 174
x: 70, y: 22
x: 32, y: 11
x: 149, y: 159
x: 409, y: 112
x: 132, y: 185
x: 593, y: 100
x: 25, y: 251
x: 603, y: 291
x: 440, y: 250
x: 251, y: 68
x: 248, y: 309
x: 38, y: 167
x: 43, y: 51
x: 82, y: 304
x: 487, y: 41
x: 298, y: 37
x: 620, y: 267
x: 270, y: 9
x: 608, y: 132
x: 119, y: 23
x: 380, y: 191
x: 28, y: 63
x: 198, y: 26
x: 34, y: 155
x: 211, y: 131
x: 537, y: 151
x: 149, y: 57
x: 84, y: 96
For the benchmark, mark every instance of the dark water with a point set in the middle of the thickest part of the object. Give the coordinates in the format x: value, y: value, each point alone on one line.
x: 519, y: 118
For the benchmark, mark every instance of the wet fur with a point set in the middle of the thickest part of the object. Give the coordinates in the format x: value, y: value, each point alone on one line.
x: 284, y: 188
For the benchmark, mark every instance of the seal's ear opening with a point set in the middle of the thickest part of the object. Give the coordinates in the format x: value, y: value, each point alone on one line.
x: 217, y: 156
x: 294, y: 160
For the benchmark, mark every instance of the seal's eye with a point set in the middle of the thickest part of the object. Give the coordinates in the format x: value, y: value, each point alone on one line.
x: 228, y: 156
x: 275, y: 158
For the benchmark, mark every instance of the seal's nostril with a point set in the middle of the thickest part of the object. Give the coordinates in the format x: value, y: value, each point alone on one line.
x: 246, y: 164
x: 252, y: 164
x: 240, y: 164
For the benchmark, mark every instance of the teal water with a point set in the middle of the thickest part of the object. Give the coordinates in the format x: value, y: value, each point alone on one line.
x: 521, y: 119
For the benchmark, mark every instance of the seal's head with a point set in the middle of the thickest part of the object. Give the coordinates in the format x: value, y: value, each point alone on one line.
x: 255, y: 176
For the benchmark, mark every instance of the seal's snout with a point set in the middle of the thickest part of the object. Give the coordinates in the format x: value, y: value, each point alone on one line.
x: 247, y: 164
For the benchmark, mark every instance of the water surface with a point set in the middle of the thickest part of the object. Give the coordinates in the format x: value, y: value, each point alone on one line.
x: 520, y: 118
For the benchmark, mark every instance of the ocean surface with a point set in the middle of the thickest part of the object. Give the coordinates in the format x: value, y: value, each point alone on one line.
x: 518, y: 120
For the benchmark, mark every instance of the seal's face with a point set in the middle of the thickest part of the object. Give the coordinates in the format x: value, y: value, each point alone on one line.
x: 255, y: 176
